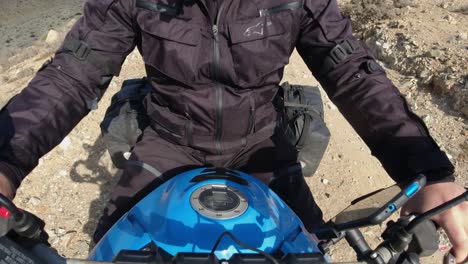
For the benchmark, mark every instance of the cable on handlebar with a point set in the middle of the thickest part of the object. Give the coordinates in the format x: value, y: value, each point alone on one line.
x: 227, y: 233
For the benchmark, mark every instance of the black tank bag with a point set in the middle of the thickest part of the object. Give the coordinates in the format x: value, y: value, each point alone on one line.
x: 125, y: 120
x: 303, y: 124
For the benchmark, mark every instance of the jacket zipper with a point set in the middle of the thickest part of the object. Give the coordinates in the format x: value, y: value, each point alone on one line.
x: 219, y: 91
x: 216, y: 71
x: 251, y: 117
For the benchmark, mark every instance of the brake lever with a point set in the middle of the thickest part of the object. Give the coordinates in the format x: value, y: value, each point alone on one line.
x: 397, y: 239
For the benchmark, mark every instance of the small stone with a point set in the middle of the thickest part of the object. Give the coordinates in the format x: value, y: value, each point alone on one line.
x: 82, y: 248
x: 434, y: 53
x: 68, y: 237
x: 443, y: 5
x: 54, y: 241
x: 52, y: 37
x: 464, y: 110
x: 65, y: 144
x: 449, y: 156
x: 450, y: 19
x: 327, y: 195
x: 425, y: 73
x: 63, y: 173
x: 426, y: 118
x: 411, y: 83
x: 60, y: 232
x: 24, y: 72
x: 331, y: 106
x: 405, y: 3
x: 426, y: 76
x: 386, y: 45
x: 452, y: 40
x: 34, y: 201
x: 440, y: 83
x: 461, y: 36
x: 393, y: 24
x: 464, y: 146
x: 325, y: 181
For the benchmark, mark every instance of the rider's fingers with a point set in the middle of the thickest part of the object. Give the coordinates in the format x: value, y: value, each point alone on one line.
x: 455, y: 226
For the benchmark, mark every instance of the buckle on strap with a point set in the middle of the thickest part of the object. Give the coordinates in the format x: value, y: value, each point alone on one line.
x: 79, y: 48
x: 341, y: 51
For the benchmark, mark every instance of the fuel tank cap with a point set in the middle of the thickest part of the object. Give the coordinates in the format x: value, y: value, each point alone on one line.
x: 219, y: 201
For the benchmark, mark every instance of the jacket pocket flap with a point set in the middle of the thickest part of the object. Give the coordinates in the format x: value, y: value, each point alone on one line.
x: 158, y: 7
x: 174, y: 30
x: 280, y: 8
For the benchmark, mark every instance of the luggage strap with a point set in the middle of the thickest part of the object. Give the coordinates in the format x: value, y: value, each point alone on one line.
x: 305, y: 106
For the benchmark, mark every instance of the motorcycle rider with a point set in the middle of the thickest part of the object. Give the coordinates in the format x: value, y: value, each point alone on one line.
x: 215, y: 67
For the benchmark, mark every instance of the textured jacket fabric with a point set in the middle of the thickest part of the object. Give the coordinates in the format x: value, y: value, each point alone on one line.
x: 215, y: 72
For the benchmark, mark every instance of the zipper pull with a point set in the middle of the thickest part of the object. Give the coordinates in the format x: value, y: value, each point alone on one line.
x: 215, y: 29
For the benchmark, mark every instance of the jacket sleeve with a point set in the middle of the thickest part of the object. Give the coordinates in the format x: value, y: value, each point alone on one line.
x: 65, y: 89
x: 366, y: 97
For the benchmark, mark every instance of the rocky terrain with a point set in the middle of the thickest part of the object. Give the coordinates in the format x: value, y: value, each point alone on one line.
x: 422, y: 44
x: 424, y: 40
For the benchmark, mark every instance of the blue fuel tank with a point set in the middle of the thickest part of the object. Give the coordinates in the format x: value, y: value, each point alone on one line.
x: 189, y: 212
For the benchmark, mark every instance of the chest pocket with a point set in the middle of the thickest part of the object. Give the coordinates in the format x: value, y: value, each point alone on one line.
x: 261, y: 45
x: 169, y: 44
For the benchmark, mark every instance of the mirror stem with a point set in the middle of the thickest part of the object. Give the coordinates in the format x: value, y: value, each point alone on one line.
x: 360, y: 246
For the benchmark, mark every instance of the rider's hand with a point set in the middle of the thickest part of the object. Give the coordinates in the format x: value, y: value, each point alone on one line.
x: 453, y: 221
x: 6, y: 188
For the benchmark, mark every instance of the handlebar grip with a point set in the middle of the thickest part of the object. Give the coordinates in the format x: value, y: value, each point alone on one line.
x: 425, y: 240
x: 47, y: 255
